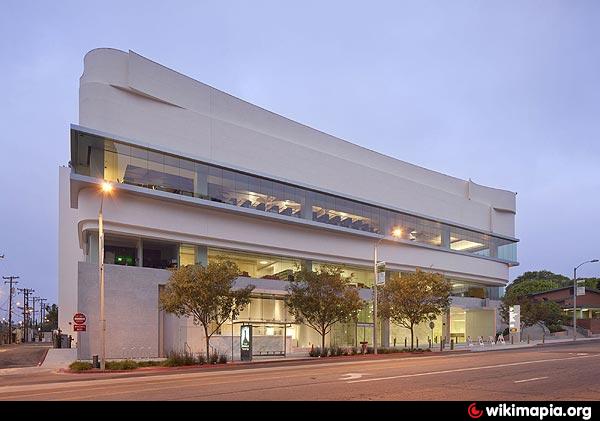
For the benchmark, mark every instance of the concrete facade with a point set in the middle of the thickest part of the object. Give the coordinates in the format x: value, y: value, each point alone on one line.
x: 127, y: 97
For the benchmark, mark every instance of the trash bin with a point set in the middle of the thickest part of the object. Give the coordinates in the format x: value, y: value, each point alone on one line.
x: 64, y: 341
x: 364, y: 347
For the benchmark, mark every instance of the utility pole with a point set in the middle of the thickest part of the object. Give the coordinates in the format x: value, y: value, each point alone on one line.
x: 11, y: 281
x: 26, y: 318
x: 35, y: 323
x: 42, y: 311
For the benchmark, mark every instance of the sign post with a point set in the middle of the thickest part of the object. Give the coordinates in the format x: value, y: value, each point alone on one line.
x: 246, y: 342
x: 514, y: 322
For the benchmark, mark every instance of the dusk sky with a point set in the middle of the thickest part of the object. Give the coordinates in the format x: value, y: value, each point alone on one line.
x: 506, y: 93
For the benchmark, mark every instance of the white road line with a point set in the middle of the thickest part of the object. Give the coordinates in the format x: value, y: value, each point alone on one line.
x: 351, y: 376
x: 530, y: 380
x: 458, y: 370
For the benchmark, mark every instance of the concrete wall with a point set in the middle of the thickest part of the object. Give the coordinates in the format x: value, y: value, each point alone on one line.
x: 131, y: 309
x: 128, y: 95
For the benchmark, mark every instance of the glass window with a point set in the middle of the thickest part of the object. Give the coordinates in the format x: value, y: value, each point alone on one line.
x: 187, y: 255
x: 120, y: 162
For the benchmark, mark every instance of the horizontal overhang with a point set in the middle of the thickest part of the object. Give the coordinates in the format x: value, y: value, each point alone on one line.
x: 79, y: 182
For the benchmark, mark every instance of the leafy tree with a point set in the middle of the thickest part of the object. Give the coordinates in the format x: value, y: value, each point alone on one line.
x: 532, y: 311
x: 587, y: 282
x: 205, y: 293
x: 540, y: 275
x: 52, y: 317
x: 532, y: 286
x: 321, y: 299
x: 414, y: 298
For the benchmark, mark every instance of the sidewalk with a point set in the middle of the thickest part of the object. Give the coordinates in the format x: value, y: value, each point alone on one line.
x: 523, y: 344
x: 59, y: 357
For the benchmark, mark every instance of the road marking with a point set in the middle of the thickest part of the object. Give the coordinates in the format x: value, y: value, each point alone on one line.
x: 530, y: 380
x: 74, y: 384
x: 581, y: 353
x: 351, y: 376
x: 458, y: 370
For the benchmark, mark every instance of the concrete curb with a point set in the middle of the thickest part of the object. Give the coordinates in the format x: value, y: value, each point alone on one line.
x: 250, y: 364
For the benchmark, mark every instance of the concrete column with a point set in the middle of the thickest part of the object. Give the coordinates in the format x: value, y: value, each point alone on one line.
x: 201, y: 181
x: 307, y: 206
x: 202, y: 255
x: 493, y: 249
x: 385, y: 332
x: 92, y: 248
x: 445, y: 237
x: 97, y: 162
x: 446, y: 326
x: 140, y: 253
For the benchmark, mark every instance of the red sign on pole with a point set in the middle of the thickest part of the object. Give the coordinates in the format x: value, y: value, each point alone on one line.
x: 79, y: 318
x: 79, y: 328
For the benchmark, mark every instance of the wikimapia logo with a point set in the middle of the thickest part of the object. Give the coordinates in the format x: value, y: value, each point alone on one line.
x: 474, y: 412
x: 540, y: 412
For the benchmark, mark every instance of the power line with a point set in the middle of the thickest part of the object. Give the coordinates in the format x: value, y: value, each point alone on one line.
x: 11, y: 281
x: 26, y: 319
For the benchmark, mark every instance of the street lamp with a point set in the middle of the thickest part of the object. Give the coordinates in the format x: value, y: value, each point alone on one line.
x: 106, y: 188
x: 575, y: 296
x: 396, y: 233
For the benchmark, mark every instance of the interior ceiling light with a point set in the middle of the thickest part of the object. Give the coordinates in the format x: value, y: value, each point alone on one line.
x: 464, y: 245
x: 263, y: 262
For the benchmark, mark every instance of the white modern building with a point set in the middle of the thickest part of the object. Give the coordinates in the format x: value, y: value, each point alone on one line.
x: 199, y: 174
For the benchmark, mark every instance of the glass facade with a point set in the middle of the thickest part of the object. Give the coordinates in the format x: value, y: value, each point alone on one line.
x: 120, y: 162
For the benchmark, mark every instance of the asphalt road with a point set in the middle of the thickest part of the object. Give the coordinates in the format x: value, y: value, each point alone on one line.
x: 23, y: 355
x: 557, y: 372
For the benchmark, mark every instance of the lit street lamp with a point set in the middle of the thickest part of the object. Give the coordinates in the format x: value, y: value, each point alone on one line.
x: 106, y: 189
x: 396, y: 233
x: 575, y: 296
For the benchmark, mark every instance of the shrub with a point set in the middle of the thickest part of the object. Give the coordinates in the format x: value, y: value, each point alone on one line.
x: 223, y: 359
x: 201, y: 358
x: 180, y: 358
x: 370, y: 350
x: 314, y: 352
x: 324, y: 352
x: 80, y: 366
x: 555, y: 328
x: 149, y: 363
x: 121, y: 365
x: 354, y: 350
x: 213, y: 358
x: 340, y: 351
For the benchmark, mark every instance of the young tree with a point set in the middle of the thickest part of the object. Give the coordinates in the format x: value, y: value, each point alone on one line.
x: 414, y: 298
x: 321, y: 299
x: 207, y: 294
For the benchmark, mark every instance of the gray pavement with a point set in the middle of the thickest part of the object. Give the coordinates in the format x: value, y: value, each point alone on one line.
x: 29, y: 354
x: 568, y: 371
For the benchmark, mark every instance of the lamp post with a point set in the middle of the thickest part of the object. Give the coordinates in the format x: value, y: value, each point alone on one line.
x: 106, y: 189
x: 396, y: 233
x: 575, y: 296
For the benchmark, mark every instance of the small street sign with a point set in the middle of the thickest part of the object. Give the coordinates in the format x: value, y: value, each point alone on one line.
x: 79, y: 328
x: 580, y: 290
x: 380, y: 273
x: 79, y: 318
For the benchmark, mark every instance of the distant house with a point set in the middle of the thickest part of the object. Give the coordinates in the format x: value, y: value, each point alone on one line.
x: 588, y: 305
